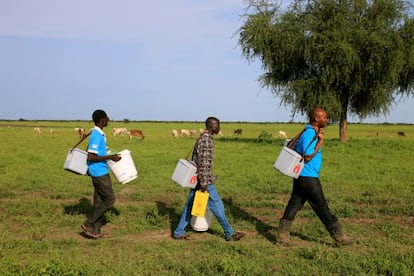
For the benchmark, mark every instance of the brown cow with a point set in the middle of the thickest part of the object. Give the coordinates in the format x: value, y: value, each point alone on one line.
x: 137, y: 133
x: 238, y: 131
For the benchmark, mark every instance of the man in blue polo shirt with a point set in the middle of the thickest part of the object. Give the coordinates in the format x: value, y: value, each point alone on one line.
x: 307, y: 186
x: 104, y: 197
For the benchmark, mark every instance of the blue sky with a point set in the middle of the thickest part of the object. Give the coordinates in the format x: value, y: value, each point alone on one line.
x: 139, y: 60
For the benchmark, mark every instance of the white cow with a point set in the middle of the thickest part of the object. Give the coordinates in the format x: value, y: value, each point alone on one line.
x: 174, y: 133
x: 119, y: 131
x: 282, y: 134
x: 37, y: 131
x: 184, y: 132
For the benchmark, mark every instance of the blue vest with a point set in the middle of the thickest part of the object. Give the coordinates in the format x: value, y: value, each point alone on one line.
x: 308, y: 142
x: 97, y: 145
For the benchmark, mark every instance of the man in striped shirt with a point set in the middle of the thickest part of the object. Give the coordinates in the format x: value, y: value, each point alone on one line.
x: 203, y: 154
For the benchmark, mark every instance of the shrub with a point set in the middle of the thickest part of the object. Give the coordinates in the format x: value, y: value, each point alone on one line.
x: 265, y: 137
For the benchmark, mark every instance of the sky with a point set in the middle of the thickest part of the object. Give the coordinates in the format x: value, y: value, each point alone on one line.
x: 171, y: 60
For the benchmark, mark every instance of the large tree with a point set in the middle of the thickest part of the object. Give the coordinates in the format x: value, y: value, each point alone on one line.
x: 346, y: 56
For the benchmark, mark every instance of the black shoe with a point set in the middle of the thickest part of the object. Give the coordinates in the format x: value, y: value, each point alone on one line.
x: 236, y: 236
x: 182, y: 237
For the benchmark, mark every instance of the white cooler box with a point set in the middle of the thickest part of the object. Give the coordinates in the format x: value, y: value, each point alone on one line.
x: 76, y: 161
x: 185, y: 174
x: 289, y: 162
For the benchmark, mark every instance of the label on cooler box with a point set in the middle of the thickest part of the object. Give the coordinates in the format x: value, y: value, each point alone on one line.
x: 289, y: 162
x: 185, y: 174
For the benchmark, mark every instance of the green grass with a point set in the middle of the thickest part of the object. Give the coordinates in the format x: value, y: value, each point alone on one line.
x: 368, y: 182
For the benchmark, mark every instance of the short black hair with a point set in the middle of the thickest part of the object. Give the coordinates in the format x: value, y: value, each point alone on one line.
x: 315, y: 113
x: 97, y: 115
x: 210, y: 121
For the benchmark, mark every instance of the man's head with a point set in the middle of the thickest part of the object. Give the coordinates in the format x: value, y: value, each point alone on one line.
x: 100, y: 118
x: 318, y: 117
x: 213, y: 125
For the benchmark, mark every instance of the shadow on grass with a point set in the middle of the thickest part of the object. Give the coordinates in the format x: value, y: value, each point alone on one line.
x: 312, y: 239
x: 262, y: 228
x: 165, y: 209
x: 84, y: 207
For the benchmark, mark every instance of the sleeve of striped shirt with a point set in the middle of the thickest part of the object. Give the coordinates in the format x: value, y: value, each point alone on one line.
x: 205, y: 158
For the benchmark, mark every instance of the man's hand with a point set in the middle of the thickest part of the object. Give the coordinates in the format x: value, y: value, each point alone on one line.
x: 203, y: 187
x: 321, y: 133
x: 115, y: 157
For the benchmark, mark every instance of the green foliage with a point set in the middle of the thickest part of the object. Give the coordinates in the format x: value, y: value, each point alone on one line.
x: 367, y: 182
x: 344, y: 56
x: 265, y: 137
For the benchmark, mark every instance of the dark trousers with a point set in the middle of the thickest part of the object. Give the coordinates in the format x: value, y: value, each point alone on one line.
x: 103, y: 200
x: 308, y: 189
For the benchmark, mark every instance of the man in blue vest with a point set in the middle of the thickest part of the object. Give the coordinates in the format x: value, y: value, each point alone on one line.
x: 308, y: 187
x: 104, y: 197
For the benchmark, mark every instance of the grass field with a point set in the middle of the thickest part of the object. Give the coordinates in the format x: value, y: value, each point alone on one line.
x: 368, y: 182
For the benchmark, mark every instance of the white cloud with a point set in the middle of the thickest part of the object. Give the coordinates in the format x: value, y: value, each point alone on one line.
x: 110, y: 19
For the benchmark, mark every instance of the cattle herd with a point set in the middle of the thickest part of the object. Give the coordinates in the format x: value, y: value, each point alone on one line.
x: 186, y: 132
x: 81, y: 132
x: 123, y: 131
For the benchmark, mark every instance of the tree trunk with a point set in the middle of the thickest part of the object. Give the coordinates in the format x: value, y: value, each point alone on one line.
x: 342, y: 127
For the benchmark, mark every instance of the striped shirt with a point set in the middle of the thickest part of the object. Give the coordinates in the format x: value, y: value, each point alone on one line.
x: 203, y: 157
